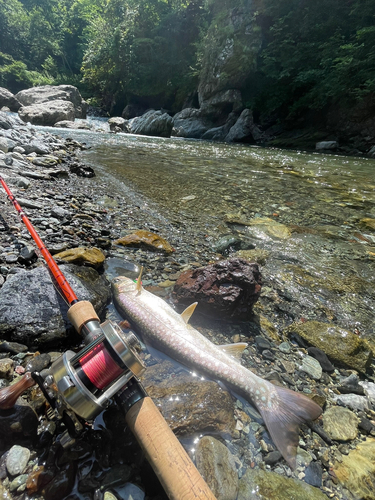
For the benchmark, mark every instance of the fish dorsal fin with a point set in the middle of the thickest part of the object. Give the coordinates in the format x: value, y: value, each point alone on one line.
x: 186, y: 314
x: 234, y: 350
x: 139, y: 282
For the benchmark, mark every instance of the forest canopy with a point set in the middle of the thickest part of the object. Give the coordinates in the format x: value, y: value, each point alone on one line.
x: 308, y: 56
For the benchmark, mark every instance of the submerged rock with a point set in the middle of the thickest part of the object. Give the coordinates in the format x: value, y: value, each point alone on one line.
x: 356, y: 471
x: 17, y: 459
x: 33, y: 312
x: 261, y: 485
x: 217, y: 467
x: 146, y: 239
x: 228, y: 288
x: 340, y: 423
x: 342, y: 346
x: 19, y: 423
x: 188, y: 404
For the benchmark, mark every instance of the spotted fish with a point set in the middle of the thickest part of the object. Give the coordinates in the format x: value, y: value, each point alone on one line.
x: 282, y: 410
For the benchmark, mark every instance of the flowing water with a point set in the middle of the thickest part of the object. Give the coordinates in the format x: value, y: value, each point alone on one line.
x: 313, y: 214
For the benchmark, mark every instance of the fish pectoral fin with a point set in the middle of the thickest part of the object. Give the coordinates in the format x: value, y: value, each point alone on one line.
x: 186, y: 314
x: 139, y: 282
x: 234, y: 350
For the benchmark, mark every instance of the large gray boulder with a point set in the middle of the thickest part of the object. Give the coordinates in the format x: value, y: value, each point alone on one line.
x: 46, y: 93
x: 244, y: 130
x: 116, y: 124
x: 152, y: 123
x: 32, y: 311
x: 7, y: 99
x: 190, y: 123
x: 47, y: 113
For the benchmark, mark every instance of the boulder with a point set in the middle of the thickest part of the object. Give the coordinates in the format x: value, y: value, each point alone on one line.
x: 33, y: 312
x: 371, y: 152
x: 7, y: 122
x: 326, y: 146
x: 47, y: 113
x: 226, y: 289
x: 73, y: 125
x: 190, y: 123
x: 244, y: 130
x: 46, y: 93
x: 118, y: 122
x: 8, y: 100
x: 153, y: 122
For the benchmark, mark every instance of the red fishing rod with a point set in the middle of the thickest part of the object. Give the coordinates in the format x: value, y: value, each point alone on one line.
x: 81, y: 385
x: 53, y: 267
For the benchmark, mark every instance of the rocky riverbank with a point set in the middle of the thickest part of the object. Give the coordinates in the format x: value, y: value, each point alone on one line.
x: 81, y: 222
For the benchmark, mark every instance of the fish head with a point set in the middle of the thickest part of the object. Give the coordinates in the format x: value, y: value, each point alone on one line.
x: 123, y: 285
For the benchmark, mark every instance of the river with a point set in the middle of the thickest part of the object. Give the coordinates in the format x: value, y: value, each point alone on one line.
x: 313, y: 214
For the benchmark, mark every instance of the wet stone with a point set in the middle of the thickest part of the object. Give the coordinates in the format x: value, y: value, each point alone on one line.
x: 262, y: 343
x: 18, y: 482
x: 321, y: 356
x: 356, y: 471
x: 312, y: 367
x: 339, y: 344
x: 89, y: 256
x: 353, y: 401
x: 38, y: 363
x: 340, y: 423
x: 285, y: 347
x: 350, y: 385
x: 6, y: 368
x: 217, y: 467
x: 131, y: 492
x: 258, y: 484
x: 17, y: 460
x: 314, y: 474
x: 272, y: 458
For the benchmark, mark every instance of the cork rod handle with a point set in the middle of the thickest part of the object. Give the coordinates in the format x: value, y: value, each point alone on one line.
x: 173, y: 466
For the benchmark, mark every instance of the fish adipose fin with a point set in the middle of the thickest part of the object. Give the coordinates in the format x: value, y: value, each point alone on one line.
x: 283, y: 418
x: 186, y: 314
x: 234, y: 350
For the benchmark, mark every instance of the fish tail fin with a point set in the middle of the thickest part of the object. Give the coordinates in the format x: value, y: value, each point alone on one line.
x: 283, y: 418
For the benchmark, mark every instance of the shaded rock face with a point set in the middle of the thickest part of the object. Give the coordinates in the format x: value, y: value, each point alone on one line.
x: 244, y: 130
x: 9, y: 100
x: 230, y: 39
x: 226, y: 289
x: 190, y: 123
x: 32, y: 312
x: 46, y: 93
x: 152, y: 123
x: 47, y: 113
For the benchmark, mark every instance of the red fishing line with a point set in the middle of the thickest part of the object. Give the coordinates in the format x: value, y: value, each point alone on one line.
x: 99, y: 367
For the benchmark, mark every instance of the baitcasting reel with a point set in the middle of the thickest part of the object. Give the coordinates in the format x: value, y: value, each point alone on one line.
x: 82, y: 384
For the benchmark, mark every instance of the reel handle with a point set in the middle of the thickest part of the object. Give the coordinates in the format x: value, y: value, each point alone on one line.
x: 178, y: 475
x: 10, y: 394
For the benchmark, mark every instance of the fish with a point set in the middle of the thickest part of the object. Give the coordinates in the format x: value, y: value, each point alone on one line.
x: 282, y: 409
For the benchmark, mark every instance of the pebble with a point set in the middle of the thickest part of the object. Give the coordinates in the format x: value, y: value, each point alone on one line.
x: 321, y: 356
x: 340, y: 423
x: 17, y: 460
x: 285, y: 347
x: 314, y: 474
x: 353, y: 401
x: 312, y: 367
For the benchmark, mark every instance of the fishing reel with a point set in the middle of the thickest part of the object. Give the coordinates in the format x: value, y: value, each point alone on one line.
x: 81, y: 385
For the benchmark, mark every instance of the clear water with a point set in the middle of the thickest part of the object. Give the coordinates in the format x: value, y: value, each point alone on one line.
x: 326, y: 264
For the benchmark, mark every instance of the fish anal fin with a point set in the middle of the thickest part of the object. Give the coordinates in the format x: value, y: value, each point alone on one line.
x: 186, y: 314
x: 234, y: 350
x: 283, y: 418
x: 139, y: 282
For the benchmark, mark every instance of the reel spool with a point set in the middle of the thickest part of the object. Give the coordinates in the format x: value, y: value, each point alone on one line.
x: 85, y: 382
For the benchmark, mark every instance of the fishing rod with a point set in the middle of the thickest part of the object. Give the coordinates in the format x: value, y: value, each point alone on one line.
x: 79, y: 386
